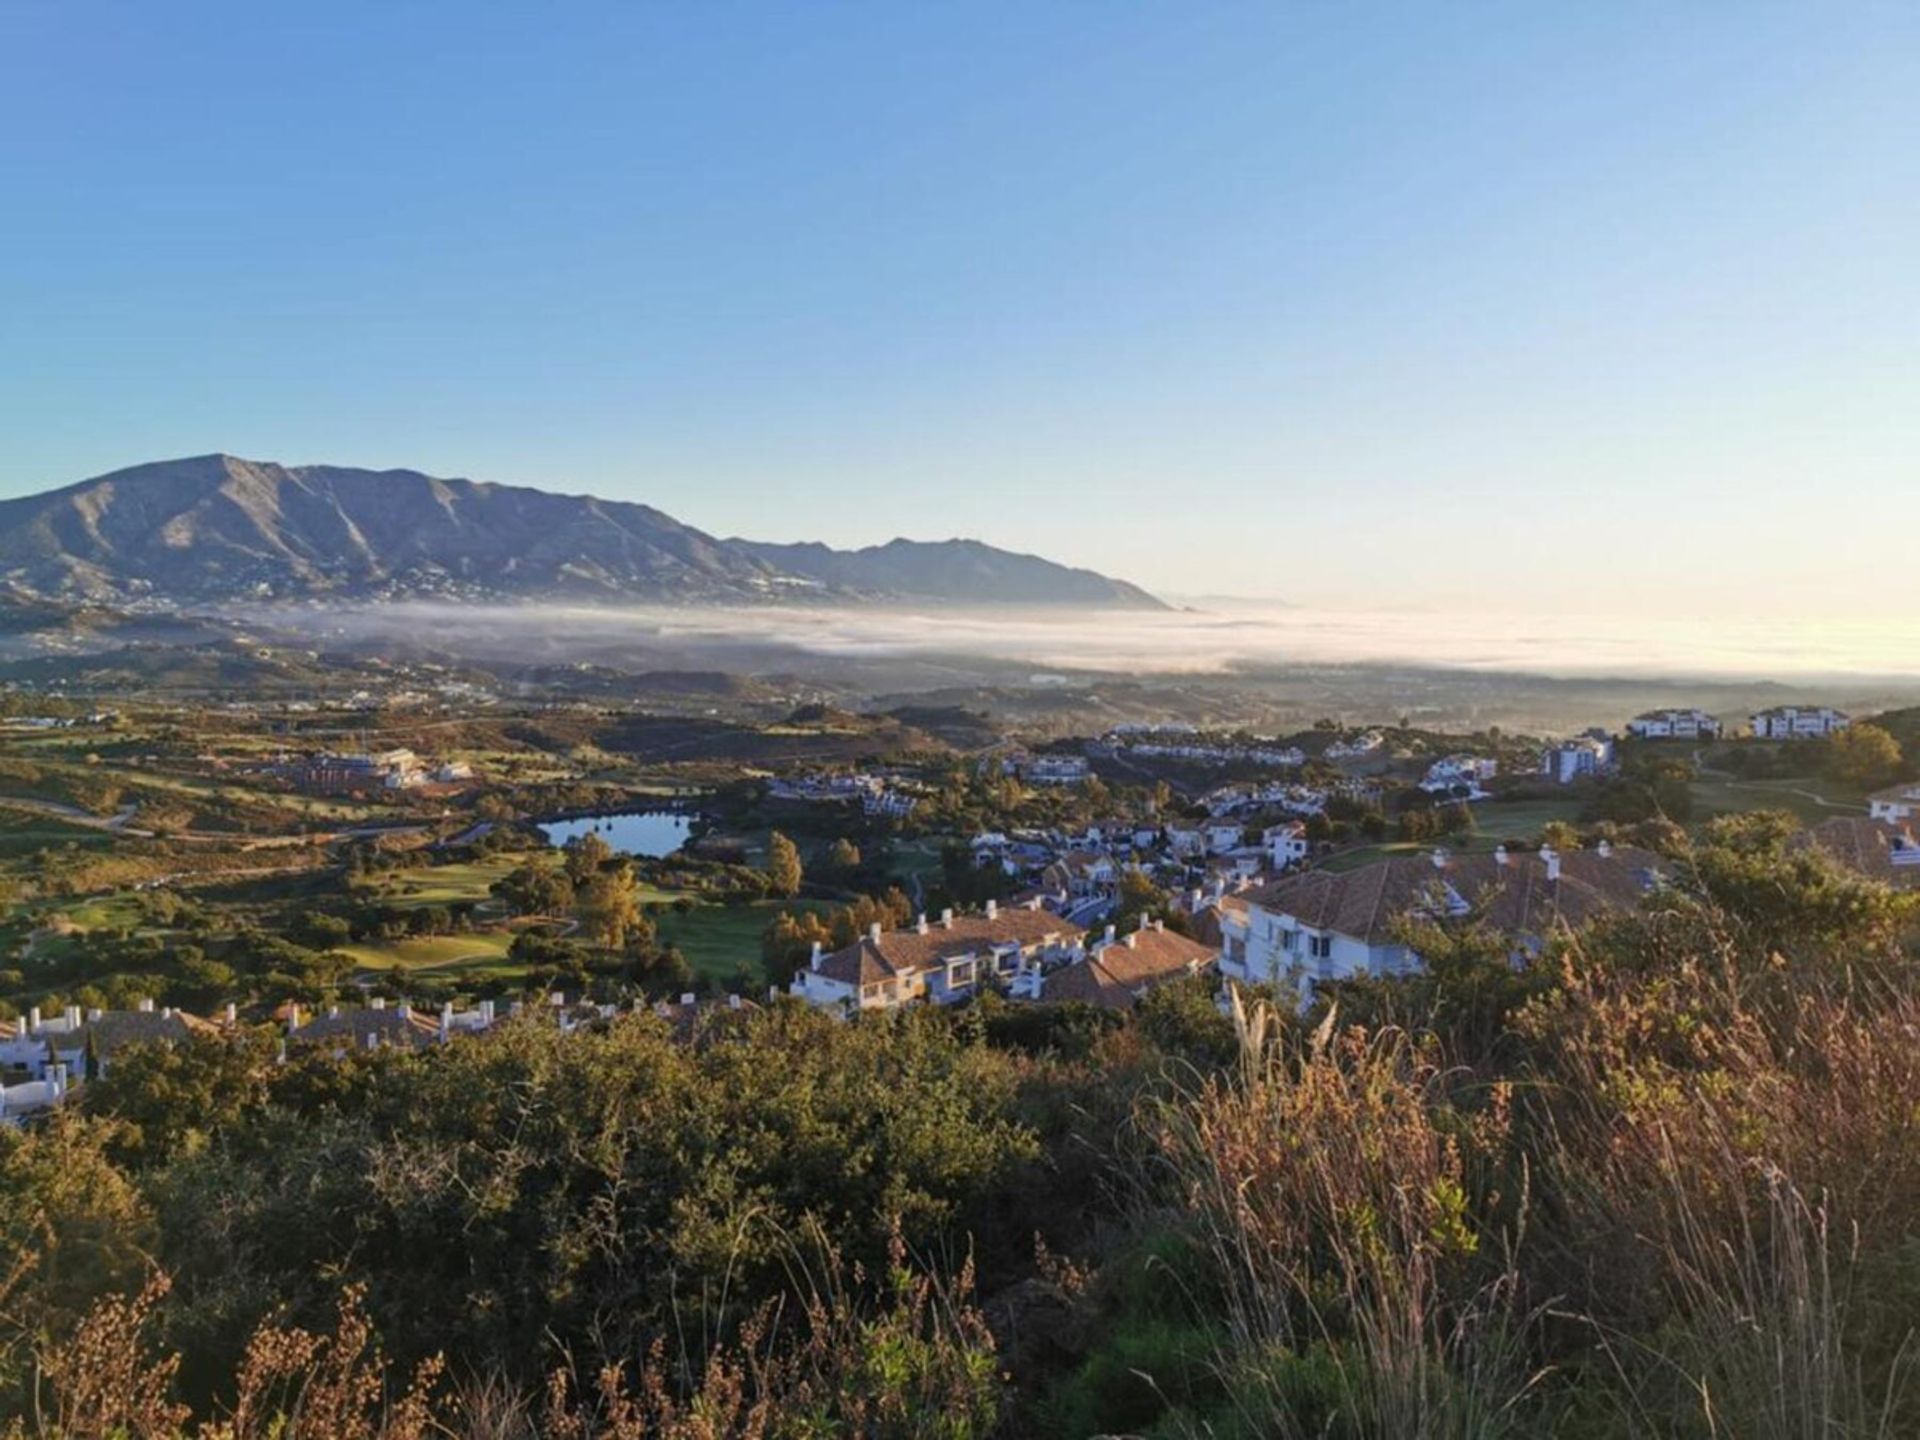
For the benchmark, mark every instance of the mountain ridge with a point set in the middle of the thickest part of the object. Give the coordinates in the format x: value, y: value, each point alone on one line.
x: 217, y: 527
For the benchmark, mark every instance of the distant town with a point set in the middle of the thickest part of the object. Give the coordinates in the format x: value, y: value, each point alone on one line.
x: 1107, y: 867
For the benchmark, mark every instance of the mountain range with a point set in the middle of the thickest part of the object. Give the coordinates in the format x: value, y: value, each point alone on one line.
x: 216, y: 528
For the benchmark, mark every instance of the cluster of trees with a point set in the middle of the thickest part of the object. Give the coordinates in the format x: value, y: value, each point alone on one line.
x: 790, y: 936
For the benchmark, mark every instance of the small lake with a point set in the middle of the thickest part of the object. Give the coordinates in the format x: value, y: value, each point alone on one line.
x: 643, y: 832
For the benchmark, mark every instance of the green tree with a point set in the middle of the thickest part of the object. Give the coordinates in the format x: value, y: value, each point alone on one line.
x: 844, y: 858
x: 538, y: 887
x: 1864, y: 755
x: 587, y: 855
x: 610, y: 907
x: 788, y: 942
x: 784, y: 873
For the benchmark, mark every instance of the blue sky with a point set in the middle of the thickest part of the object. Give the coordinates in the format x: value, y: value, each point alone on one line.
x: 1454, y: 304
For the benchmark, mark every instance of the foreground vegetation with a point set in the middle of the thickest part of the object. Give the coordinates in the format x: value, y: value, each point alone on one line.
x: 1659, y: 1183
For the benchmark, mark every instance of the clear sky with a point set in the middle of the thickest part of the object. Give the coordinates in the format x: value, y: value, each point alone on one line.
x: 1547, y: 305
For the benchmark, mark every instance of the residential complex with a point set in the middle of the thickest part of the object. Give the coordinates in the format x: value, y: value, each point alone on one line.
x: 1674, y: 725
x: 1793, y: 722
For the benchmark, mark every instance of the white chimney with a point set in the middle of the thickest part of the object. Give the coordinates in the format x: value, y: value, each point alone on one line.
x: 873, y: 932
x: 1552, y: 859
x: 404, y: 1011
x: 145, y: 1006
x: 1133, y: 939
x: 73, y: 1014
x: 818, y: 954
x: 1111, y: 933
x: 1605, y: 849
x: 233, y: 1013
x: 920, y: 924
x: 946, y: 918
x: 486, y: 1012
x: 94, y: 1014
x: 333, y: 1012
x: 293, y: 1018
x: 733, y: 1002
x: 379, y: 1002
x: 33, y: 1019
x: 686, y: 997
x: 993, y: 909
x: 1500, y: 856
x: 1439, y: 857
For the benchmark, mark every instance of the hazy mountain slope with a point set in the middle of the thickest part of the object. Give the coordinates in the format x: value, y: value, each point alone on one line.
x: 964, y: 570
x: 215, y: 527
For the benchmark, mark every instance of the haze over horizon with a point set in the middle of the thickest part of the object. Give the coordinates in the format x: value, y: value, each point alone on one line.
x: 1368, y: 308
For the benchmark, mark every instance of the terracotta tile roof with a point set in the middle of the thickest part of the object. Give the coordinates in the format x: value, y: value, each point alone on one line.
x: 1205, y: 925
x: 392, y: 1025
x: 1517, y: 897
x: 1116, y: 975
x: 1863, y: 846
x: 905, y: 952
x: 116, y: 1028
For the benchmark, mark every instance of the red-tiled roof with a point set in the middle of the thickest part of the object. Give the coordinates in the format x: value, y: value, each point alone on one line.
x: 1116, y: 975
x: 1517, y: 897
x: 906, y: 952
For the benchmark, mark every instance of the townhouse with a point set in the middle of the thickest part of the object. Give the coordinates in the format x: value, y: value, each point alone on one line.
x: 1320, y: 926
x: 1117, y: 971
x: 941, y: 961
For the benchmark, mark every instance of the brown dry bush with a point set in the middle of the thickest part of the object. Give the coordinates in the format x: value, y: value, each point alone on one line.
x: 1351, y: 1211
x: 917, y: 1362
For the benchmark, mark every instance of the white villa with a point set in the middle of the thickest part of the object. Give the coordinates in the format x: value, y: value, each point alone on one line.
x: 943, y: 961
x: 1896, y: 804
x: 1080, y: 873
x: 1054, y: 770
x: 1287, y: 845
x: 1322, y: 925
x: 1223, y: 836
x: 1356, y: 748
x: 1454, y: 772
x: 1674, y: 725
x: 1793, y: 722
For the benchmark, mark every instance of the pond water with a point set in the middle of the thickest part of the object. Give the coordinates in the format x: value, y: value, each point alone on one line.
x: 643, y: 832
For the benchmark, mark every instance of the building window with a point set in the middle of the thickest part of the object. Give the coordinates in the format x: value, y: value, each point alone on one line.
x: 1320, y: 947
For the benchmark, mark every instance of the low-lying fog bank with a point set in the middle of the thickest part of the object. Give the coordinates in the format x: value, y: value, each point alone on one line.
x: 1717, y: 647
